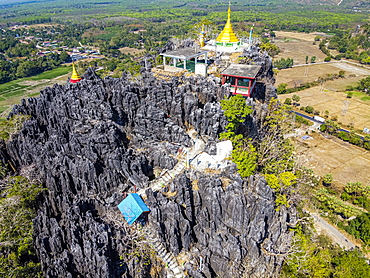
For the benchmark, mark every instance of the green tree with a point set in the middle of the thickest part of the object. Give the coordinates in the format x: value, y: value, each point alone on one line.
x: 64, y: 57
x: 235, y: 110
x: 313, y: 59
x: 366, y: 60
x: 350, y: 264
x: 281, y: 89
x: 244, y: 153
x: 288, y: 101
x: 284, y: 63
x: 326, y: 113
x: 281, y: 184
x: 275, y: 153
x: 354, y: 188
x: 327, y: 179
x: 360, y: 227
x: 272, y: 49
x: 364, y: 85
x: 17, y: 209
x: 309, y: 109
x: 331, y: 127
x: 245, y: 159
x: 296, y: 98
x: 316, y: 256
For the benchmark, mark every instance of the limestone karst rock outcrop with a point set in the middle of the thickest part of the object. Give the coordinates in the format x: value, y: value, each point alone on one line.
x: 88, y: 142
x: 265, y: 89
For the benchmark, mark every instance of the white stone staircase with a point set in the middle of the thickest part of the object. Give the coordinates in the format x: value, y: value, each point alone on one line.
x: 173, y: 268
x: 167, y: 176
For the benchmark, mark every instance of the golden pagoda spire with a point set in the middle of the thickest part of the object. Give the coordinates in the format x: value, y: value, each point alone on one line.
x: 227, y: 35
x: 201, y: 37
x: 75, y: 77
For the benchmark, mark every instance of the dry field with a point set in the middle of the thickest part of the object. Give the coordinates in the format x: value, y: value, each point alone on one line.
x: 299, y: 36
x: 349, y: 111
x: 331, y: 96
x: 129, y: 50
x: 298, y: 46
x: 347, y: 163
x: 298, y: 75
x: 93, y: 32
x: 298, y: 52
x: 43, y: 25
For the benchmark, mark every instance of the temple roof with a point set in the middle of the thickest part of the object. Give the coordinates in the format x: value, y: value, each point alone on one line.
x: 185, y: 53
x: 227, y: 34
x: 241, y: 70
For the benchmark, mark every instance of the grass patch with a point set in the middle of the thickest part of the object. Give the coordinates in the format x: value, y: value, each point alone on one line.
x: 357, y: 93
x: 361, y: 95
x: 11, y: 86
x: 51, y: 73
x: 12, y: 126
x: 2, y: 109
x: 34, y: 94
x: 14, y: 94
x: 15, y: 89
x: 365, y: 98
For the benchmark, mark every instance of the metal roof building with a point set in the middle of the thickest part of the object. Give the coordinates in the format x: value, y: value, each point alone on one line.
x: 242, y: 78
x: 181, y: 57
x: 132, y: 207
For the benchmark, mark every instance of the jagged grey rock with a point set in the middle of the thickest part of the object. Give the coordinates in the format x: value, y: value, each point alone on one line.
x: 265, y: 78
x: 92, y: 140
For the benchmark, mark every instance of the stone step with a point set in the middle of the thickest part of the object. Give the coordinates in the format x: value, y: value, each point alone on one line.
x: 167, y: 257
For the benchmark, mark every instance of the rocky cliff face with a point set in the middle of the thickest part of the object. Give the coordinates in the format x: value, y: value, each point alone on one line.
x: 265, y: 80
x: 88, y: 142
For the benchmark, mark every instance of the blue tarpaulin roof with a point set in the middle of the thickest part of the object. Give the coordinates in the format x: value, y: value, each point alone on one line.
x: 306, y: 137
x: 132, y: 207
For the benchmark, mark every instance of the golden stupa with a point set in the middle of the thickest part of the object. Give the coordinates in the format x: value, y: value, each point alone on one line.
x: 227, y: 35
x: 75, y: 77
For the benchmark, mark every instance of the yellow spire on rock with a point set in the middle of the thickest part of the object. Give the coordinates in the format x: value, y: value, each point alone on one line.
x: 74, y: 72
x: 227, y: 35
x: 201, y: 37
x: 75, y: 77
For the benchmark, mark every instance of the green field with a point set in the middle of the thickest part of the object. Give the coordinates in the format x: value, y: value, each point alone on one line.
x: 51, y: 73
x: 12, y: 92
x: 361, y: 95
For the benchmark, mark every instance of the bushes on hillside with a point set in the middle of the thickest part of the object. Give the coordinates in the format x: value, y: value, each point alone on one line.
x: 284, y: 63
x: 360, y: 227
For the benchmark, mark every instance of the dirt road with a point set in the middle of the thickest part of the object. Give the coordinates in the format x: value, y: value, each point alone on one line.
x: 322, y: 226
